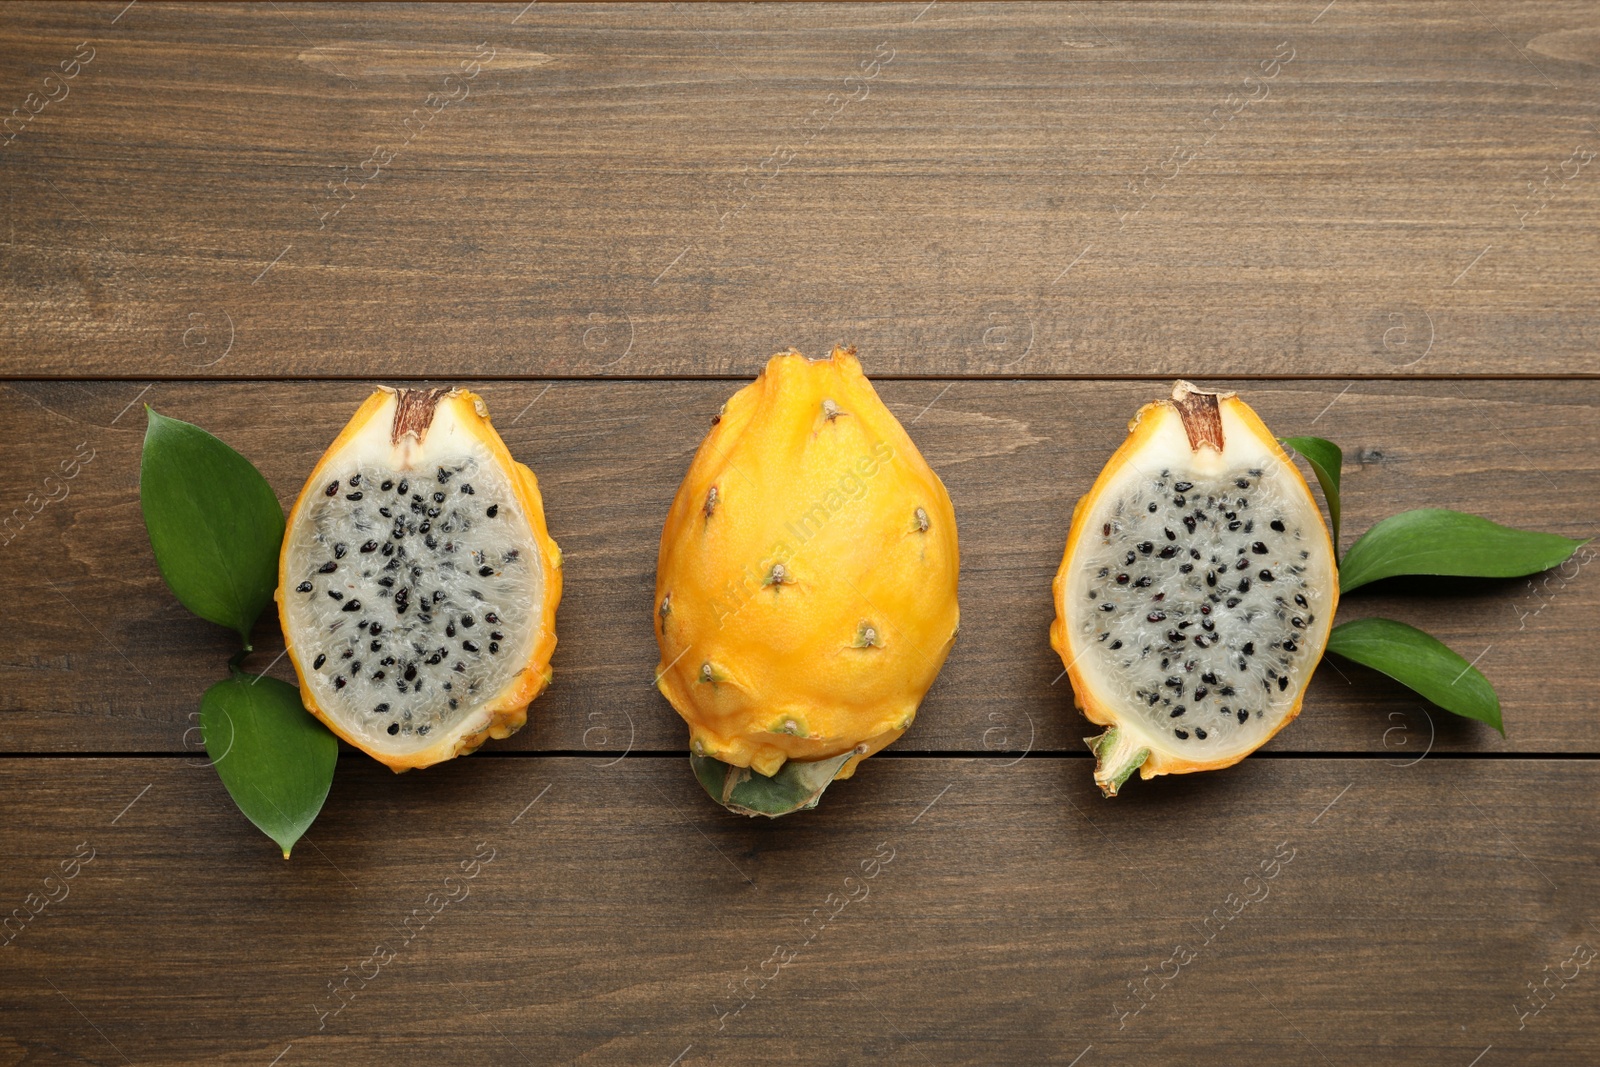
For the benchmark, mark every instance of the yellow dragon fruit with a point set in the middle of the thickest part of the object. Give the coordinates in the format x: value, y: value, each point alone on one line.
x: 805, y: 588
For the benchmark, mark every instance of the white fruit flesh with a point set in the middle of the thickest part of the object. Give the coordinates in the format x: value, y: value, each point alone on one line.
x: 1200, y: 622
x: 430, y: 611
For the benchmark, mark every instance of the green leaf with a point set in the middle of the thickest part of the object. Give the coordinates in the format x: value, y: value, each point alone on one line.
x: 1435, y: 541
x: 214, y: 523
x: 1421, y: 662
x: 275, y: 758
x: 797, y: 785
x: 1327, y: 462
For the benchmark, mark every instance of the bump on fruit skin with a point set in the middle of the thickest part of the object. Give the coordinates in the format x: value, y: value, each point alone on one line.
x: 405, y: 417
x: 809, y: 562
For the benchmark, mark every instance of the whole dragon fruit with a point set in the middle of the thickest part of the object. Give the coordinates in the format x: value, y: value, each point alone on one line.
x: 417, y: 584
x: 806, y: 585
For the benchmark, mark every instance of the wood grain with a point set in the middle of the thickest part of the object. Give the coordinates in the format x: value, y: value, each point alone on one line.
x: 99, y: 657
x: 653, y: 190
x: 620, y: 905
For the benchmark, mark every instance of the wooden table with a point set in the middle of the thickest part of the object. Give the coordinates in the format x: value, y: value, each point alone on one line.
x: 1378, y: 221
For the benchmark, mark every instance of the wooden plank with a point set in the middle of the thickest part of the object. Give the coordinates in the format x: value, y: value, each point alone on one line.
x: 1405, y: 909
x: 655, y: 190
x: 100, y: 658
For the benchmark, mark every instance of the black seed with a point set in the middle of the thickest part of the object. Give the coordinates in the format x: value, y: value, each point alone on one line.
x: 491, y: 618
x: 1173, y: 682
x: 492, y: 510
x: 355, y: 668
x: 1122, y: 579
x: 450, y: 629
x: 1183, y: 487
x: 303, y: 587
x: 1105, y: 530
x: 333, y: 488
x: 444, y: 475
x: 339, y: 683
x: 423, y: 729
x: 1168, y: 552
x: 1283, y: 682
x: 394, y: 728
x: 1198, y: 732
x: 1129, y: 558
x: 1186, y: 568
x: 403, y: 487
x: 1266, y: 576
x: 1244, y: 585
x: 1249, y: 648
x: 1108, y: 607
x: 433, y: 513
x: 438, y: 595
x: 388, y: 548
x: 1205, y: 609
x: 320, y: 660
x: 484, y: 572
x: 1200, y: 641
x: 1170, y: 535
x: 1176, y: 636
x: 1188, y: 522
x: 494, y: 646
x: 466, y: 487
x: 1146, y: 547
x: 1143, y: 583
x: 459, y: 668
x: 1207, y: 625
x: 1235, y: 524
x: 1250, y: 526
x: 1277, y: 524
x: 354, y: 605
x: 1243, y: 715
x: 1180, y: 500
x: 377, y: 676
x: 467, y: 621
x: 453, y: 703
x: 328, y: 567
x: 1230, y: 515
x: 1153, y: 699
x: 1156, y: 616
x: 375, y: 628
x: 387, y: 485
x: 1301, y: 600
x: 434, y: 659
x: 1298, y: 623
x: 387, y: 582
x: 1182, y: 735
x: 386, y: 513
x: 1290, y: 646
x: 381, y: 709
x: 346, y: 654
x: 1241, y: 565
x: 1242, y: 484
x: 1116, y: 644
x: 1226, y: 690
x: 377, y: 646
x: 469, y: 646
x: 1152, y: 507
x: 411, y: 672
x: 1259, y: 549
x: 1177, y: 711
x: 431, y: 541
x: 1211, y: 578
x: 352, y: 496
x: 339, y: 550
x: 370, y: 546
x: 1209, y: 677
x: 1231, y: 602
x: 336, y: 594
x: 1200, y: 692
